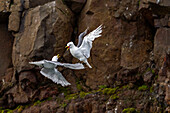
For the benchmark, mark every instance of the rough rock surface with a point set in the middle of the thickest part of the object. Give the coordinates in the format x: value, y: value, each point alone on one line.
x: 34, y: 3
x: 75, y: 5
x: 6, y: 41
x: 5, y: 5
x: 36, y: 30
x: 161, y: 46
x: 130, y: 60
x: 123, y: 43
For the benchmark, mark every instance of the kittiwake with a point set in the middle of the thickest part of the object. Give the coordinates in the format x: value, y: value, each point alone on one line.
x: 82, y: 52
x: 48, y: 69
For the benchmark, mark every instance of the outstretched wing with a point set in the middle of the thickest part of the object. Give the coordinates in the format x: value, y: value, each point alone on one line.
x: 80, y: 38
x: 71, y: 66
x: 55, y: 76
x: 88, y: 39
x: 38, y: 63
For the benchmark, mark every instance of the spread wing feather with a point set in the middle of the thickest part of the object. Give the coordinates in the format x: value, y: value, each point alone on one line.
x: 71, y: 66
x: 80, y: 38
x: 88, y: 39
x: 55, y: 76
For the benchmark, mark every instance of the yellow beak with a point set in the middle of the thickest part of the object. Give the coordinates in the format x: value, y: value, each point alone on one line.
x: 58, y: 56
x: 67, y: 47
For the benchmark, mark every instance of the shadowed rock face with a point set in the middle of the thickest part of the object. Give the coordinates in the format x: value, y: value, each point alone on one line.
x: 36, y: 40
x: 6, y: 41
x: 130, y: 61
x: 75, y: 5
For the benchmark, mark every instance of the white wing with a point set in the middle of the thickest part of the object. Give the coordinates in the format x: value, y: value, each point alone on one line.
x: 55, y: 76
x: 88, y: 39
x: 80, y: 38
x: 38, y: 63
x: 71, y: 66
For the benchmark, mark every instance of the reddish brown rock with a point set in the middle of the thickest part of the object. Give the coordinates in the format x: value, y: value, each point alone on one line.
x: 34, y: 3
x: 14, y: 21
x: 116, y: 34
x: 75, y: 5
x: 35, y: 40
x: 46, y: 107
x: 135, y: 53
x: 145, y: 3
x: 6, y: 41
x: 7, y: 78
x: 63, y: 27
x: 16, y: 6
x: 91, y: 104
x: 5, y: 5
x: 167, y: 97
x: 148, y: 77
x: 163, y: 22
x: 165, y: 3
x: 161, y: 45
x: 29, y: 88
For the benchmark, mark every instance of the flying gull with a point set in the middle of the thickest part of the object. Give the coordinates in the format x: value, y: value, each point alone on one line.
x: 82, y: 50
x: 48, y: 69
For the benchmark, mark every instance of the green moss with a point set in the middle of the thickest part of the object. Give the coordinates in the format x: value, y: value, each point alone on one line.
x: 109, y: 91
x: 6, y: 111
x: 130, y: 110
x: 63, y: 105
x: 49, y: 98
x: 10, y: 111
x: 37, y: 102
x: 79, y: 87
x: 139, y: 2
x: 71, y: 96
x: 64, y: 90
x: 102, y: 86
x: 83, y: 94
x: 156, y: 77
x: 126, y: 87
x: 148, y: 69
x: 19, y: 109
x: 153, y: 71
x: 151, y: 89
x: 143, y: 88
x: 99, y: 90
x: 114, y: 97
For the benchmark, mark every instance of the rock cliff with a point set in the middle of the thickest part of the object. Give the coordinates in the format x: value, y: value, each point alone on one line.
x: 130, y: 61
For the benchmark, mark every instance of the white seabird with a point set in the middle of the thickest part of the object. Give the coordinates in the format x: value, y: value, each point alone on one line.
x: 49, y: 69
x: 82, y: 52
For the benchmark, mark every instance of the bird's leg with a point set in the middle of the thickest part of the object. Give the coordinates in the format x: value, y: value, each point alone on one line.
x: 87, y: 64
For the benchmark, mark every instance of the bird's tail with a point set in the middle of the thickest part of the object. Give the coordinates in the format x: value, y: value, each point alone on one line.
x: 88, y: 64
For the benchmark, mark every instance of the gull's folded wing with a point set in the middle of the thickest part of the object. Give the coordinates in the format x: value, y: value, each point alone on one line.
x: 55, y: 76
x: 88, y: 39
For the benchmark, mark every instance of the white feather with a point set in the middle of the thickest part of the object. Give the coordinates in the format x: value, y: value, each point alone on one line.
x: 49, y: 70
x: 83, y: 52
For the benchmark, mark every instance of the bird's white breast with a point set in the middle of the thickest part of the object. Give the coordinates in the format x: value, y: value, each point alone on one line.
x: 76, y: 52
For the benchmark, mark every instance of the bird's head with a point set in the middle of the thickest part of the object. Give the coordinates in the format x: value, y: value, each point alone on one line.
x: 69, y: 45
x: 55, y: 58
